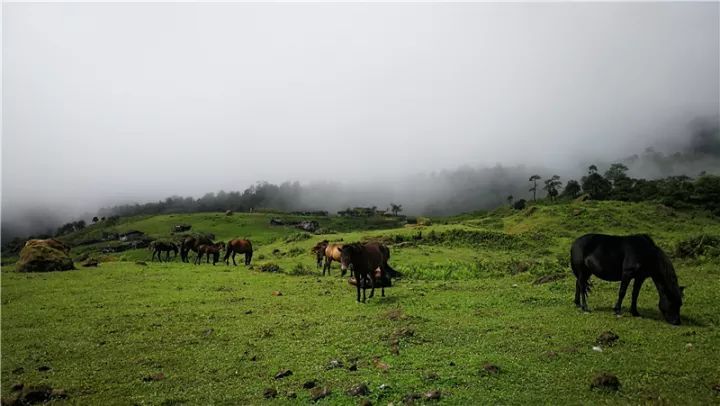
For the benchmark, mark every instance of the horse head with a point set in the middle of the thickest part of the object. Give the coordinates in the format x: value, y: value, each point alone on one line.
x: 671, y: 294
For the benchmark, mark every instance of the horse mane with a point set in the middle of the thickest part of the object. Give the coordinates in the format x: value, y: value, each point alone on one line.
x: 667, y: 273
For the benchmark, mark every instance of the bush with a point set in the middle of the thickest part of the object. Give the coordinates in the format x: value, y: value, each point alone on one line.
x: 301, y: 269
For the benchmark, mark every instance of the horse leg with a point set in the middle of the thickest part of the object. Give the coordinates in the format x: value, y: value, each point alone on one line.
x: 584, y: 278
x: 577, y: 292
x: 357, y: 285
x: 621, y: 294
x: 635, y: 292
x: 167, y: 255
x: 372, y: 284
x: 233, y: 257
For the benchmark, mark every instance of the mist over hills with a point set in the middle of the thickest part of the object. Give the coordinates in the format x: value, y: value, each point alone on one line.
x: 452, y: 191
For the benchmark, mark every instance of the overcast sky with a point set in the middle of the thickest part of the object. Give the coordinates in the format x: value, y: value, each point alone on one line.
x: 106, y: 103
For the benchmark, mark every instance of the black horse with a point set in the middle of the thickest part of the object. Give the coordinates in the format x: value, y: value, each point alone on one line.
x: 158, y: 247
x: 622, y: 258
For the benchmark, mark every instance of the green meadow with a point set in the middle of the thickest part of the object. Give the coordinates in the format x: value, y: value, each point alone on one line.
x: 483, y: 315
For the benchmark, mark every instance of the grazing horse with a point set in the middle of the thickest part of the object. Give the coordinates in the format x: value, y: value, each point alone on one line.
x: 158, y: 247
x: 330, y: 252
x: 622, y: 258
x: 191, y: 243
x: 369, y: 262
x: 238, y: 246
x: 207, y: 250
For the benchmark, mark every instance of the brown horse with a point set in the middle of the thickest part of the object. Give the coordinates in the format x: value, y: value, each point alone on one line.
x: 209, y: 249
x: 158, y: 247
x: 191, y: 243
x: 369, y: 262
x: 330, y: 252
x: 238, y: 246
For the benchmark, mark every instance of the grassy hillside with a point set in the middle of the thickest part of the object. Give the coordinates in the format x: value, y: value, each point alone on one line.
x: 471, y: 297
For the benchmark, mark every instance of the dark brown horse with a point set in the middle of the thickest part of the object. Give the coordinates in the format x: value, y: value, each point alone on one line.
x: 191, y: 243
x: 239, y: 246
x: 369, y: 262
x: 209, y: 249
x: 158, y: 247
x: 329, y: 252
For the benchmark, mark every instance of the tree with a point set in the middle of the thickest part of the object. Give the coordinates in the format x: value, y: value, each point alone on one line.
x: 395, y: 208
x: 572, y: 189
x: 95, y: 219
x: 510, y: 199
x: 552, y: 185
x: 592, y: 169
x: 596, y: 186
x: 617, y: 172
x: 534, y: 180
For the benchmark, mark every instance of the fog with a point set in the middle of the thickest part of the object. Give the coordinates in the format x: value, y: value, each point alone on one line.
x: 440, y: 107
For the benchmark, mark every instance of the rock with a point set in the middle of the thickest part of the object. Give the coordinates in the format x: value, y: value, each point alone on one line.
x: 380, y: 365
x: 58, y: 394
x: 430, y: 376
x: 283, y: 374
x: 334, y: 364
x: 310, y: 384
x: 607, y: 338
x: 359, y: 390
x: 277, y: 293
x: 228, y: 212
x: 269, y: 393
x: 605, y: 381
x: 384, y: 387
x: 490, y: 369
x: 44, y: 256
x: 596, y: 348
x: 90, y: 263
x: 318, y: 393
x: 432, y: 395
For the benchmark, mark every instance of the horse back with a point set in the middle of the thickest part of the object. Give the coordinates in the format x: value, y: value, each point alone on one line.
x: 607, y: 256
x: 240, y: 245
x: 334, y: 251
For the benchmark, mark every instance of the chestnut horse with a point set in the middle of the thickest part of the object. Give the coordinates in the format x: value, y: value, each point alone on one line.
x: 238, y: 246
x: 209, y: 249
x: 329, y: 252
x: 191, y: 243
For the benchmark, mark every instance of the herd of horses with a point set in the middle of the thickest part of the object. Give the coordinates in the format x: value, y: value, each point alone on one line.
x: 202, y: 246
x: 610, y: 258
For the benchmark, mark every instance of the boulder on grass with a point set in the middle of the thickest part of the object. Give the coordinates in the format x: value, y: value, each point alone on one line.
x: 44, y: 256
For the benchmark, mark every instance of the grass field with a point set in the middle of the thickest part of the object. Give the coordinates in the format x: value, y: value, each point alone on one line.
x: 218, y: 334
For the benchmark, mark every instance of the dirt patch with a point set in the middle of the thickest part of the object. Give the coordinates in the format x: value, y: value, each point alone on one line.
x: 490, y: 369
x: 154, y: 378
x: 270, y: 393
x: 605, y: 381
x: 608, y: 338
x: 398, y: 335
x: 549, y: 278
x: 432, y: 395
x: 283, y: 373
x: 360, y: 389
x: 319, y: 393
x: 395, y: 314
x: 32, y: 395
